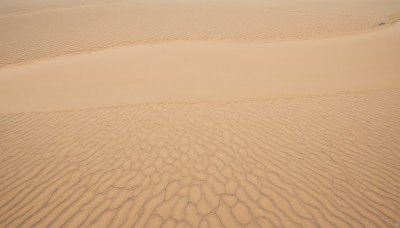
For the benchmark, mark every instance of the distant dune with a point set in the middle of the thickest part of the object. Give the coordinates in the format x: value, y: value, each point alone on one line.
x: 50, y: 32
x: 200, y: 114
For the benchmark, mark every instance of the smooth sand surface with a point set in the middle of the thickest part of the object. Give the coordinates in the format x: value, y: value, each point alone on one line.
x: 205, y: 72
x: 41, y: 32
x: 208, y: 114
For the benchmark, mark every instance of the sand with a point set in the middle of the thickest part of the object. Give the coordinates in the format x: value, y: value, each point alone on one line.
x: 199, y: 114
x: 41, y: 33
x: 329, y: 161
x: 205, y: 71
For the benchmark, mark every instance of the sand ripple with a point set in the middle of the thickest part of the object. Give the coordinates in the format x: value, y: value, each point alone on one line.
x: 311, y: 162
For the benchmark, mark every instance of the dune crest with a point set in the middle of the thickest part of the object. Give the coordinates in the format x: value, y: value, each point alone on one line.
x: 43, y: 34
x: 205, y: 71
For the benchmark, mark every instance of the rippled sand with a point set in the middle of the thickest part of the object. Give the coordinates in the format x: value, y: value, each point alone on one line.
x: 211, y: 114
x: 326, y: 161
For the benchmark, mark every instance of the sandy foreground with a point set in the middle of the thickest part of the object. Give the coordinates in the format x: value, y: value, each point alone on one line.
x: 200, y: 114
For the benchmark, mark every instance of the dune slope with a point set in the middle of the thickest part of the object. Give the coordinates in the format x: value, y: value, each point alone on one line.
x: 209, y: 114
x: 204, y: 71
x: 314, y: 162
x: 42, y: 34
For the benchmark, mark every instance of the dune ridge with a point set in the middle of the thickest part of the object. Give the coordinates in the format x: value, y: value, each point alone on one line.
x: 308, y: 162
x: 196, y: 71
x: 58, y: 31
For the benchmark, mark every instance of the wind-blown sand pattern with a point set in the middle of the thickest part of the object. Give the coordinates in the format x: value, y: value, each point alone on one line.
x: 202, y: 116
x: 329, y: 161
x: 56, y: 31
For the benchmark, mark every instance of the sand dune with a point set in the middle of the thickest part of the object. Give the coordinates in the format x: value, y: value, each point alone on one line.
x: 210, y: 114
x: 47, y: 33
x: 328, y: 161
x: 205, y: 71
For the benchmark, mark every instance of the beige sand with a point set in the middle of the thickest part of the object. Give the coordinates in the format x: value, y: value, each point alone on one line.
x: 188, y: 71
x: 328, y: 161
x: 221, y: 114
x: 44, y: 33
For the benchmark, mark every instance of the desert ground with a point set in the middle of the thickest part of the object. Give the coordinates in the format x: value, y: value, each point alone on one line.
x: 261, y: 113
